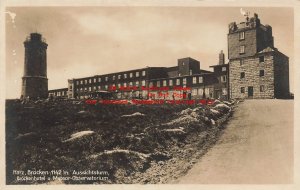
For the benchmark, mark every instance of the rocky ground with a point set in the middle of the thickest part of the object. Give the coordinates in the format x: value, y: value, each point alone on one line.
x: 132, y: 143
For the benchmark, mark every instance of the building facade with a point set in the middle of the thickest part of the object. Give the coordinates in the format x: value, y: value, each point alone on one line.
x: 221, y: 72
x: 61, y: 92
x: 256, y: 68
x: 35, y: 81
x: 148, y: 82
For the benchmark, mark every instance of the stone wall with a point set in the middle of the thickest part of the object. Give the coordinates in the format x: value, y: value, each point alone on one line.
x: 249, y: 42
x: 281, y: 74
x: 252, y: 67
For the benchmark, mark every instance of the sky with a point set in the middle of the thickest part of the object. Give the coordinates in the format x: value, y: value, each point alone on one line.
x: 87, y: 41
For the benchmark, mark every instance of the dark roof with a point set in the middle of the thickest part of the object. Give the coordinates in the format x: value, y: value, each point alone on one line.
x: 175, y: 68
x: 58, y: 89
x: 204, y: 71
x: 219, y: 65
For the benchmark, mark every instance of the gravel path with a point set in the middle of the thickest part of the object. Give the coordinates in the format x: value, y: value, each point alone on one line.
x: 256, y: 147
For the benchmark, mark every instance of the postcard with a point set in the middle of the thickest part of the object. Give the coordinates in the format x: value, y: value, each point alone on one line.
x: 175, y: 95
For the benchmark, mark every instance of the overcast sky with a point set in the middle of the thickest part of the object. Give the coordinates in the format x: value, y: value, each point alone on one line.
x: 89, y: 41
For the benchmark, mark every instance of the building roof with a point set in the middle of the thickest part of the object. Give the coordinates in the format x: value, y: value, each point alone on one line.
x: 202, y: 71
x: 271, y: 49
x: 58, y: 89
x: 219, y: 65
x: 268, y: 49
x: 175, y: 68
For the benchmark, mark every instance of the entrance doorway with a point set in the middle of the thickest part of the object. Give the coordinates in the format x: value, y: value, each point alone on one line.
x: 250, y: 91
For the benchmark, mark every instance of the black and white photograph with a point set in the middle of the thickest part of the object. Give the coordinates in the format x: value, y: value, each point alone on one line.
x: 105, y: 94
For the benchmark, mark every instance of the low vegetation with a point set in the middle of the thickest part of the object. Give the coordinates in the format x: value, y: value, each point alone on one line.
x: 133, y: 143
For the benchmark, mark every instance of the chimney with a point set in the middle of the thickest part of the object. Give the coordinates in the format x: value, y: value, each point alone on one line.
x: 221, y: 58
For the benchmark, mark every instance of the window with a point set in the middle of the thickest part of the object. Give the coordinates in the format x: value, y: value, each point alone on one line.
x: 90, y: 81
x: 137, y: 74
x: 125, y: 76
x: 164, y: 83
x: 143, y: 73
x: 137, y: 83
x: 242, y: 62
x: 191, y: 71
x: 125, y: 84
x: 130, y: 75
x: 151, y: 84
x: 106, y: 87
x: 182, y: 63
x: 242, y: 89
x: 223, y: 68
x: 223, y: 78
x: 194, y: 80
x: 194, y: 92
x: 177, y: 81
x: 95, y: 87
x: 90, y: 89
x: 81, y: 89
x: 224, y: 91
x: 200, y: 79
x: 262, y: 73
x: 261, y: 59
x: 200, y: 91
x: 242, y: 35
x: 242, y: 75
x: 99, y: 79
x: 242, y: 49
x: 130, y: 84
x: 158, y: 84
x: 85, y: 81
x: 262, y: 88
x: 95, y: 80
x: 81, y: 82
x: 119, y: 76
x: 99, y: 87
x: 184, y: 81
x: 170, y: 82
x: 106, y: 78
x: 114, y: 77
x: 143, y: 83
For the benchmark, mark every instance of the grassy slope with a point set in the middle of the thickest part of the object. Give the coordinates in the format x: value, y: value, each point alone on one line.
x: 47, y: 125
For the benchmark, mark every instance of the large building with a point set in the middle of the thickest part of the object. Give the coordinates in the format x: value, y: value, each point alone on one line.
x: 256, y: 68
x: 136, y: 83
x: 34, y: 81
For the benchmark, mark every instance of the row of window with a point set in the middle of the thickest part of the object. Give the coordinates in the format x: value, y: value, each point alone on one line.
x: 196, y: 80
x: 99, y: 79
x: 59, y: 93
x: 261, y: 74
x: 119, y: 85
x: 170, y: 82
x: 261, y: 89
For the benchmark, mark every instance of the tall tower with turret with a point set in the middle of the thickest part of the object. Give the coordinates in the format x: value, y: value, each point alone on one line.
x: 34, y: 81
x: 257, y: 68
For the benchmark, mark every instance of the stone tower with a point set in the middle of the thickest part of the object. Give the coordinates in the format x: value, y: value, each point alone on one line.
x: 34, y: 81
x: 257, y: 68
